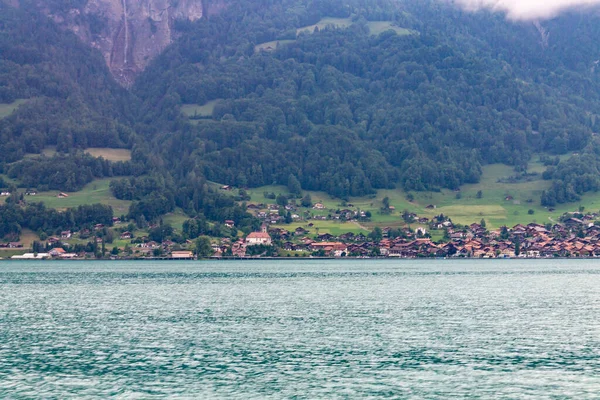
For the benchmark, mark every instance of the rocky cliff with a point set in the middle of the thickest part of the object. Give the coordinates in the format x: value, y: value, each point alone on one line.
x: 129, y: 33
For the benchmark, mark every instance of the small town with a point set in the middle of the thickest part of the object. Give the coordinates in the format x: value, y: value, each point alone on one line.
x: 575, y: 235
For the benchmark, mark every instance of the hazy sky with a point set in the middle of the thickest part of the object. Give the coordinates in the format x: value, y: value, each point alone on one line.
x: 528, y: 9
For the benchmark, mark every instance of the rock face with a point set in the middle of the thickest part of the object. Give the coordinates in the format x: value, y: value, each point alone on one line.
x: 130, y: 33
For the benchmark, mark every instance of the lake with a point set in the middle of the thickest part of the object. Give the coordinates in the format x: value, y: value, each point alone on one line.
x: 423, y: 329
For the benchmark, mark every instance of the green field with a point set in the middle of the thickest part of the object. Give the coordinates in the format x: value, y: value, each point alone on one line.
x: 378, y: 27
x: 8, y: 108
x: 8, y: 253
x: 500, y: 204
x: 196, y: 110
x: 110, y: 154
x: 97, y: 191
x: 325, y: 22
x: 271, y: 46
x: 331, y: 227
x: 176, y: 219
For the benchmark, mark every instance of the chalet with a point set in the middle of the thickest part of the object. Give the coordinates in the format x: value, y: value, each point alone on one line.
x: 347, y: 236
x: 325, y: 237
x: 116, y: 220
x: 62, y: 195
x: 98, y: 226
x: 431, y: 207
x: 572, y: 222
x: 226, y: 187
x: 229, y: 223
x: 252, y: 206
x: 300, y: 231
x: 66, y: 235
x: 335, y: 249
x: 125, y: 235
x: 360, y: 237
x: 238, y: 249
x: 57, y: 252
x: 53, y: 240
x: 319, y: 206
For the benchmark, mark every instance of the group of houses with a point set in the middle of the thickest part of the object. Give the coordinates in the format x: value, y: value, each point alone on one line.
x: 573, y: 237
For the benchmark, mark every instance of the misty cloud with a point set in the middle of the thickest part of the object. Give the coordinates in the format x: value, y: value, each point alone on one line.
x: 528, y: 9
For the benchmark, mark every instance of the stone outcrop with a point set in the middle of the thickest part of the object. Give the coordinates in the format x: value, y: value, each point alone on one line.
x: 130, y: 33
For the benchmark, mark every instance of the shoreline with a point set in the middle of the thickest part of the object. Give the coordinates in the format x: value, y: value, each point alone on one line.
x: 271, y: 259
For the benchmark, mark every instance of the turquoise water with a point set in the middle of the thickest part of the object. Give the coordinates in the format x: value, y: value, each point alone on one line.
x: 304, y: 329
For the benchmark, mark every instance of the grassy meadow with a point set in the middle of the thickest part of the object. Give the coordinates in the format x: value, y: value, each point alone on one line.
x: 378, y: 27
x: 196, y: 110
x: 325, y: 22
x: 8, y: 108
x: 375, y: 27
x: 110, y: 154
x: 97, y: 191
x: 500, y: 203
x: 272, y: 45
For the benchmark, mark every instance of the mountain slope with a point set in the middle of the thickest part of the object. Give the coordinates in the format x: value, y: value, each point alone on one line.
x: 346, y: 106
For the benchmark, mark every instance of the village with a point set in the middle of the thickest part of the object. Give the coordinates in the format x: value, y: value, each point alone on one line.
x: 575, y: 235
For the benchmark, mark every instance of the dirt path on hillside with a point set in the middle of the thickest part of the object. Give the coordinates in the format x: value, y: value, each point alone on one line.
x: 361, y: 226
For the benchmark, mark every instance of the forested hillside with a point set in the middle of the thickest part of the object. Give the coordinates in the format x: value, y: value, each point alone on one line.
x: 411, y: 94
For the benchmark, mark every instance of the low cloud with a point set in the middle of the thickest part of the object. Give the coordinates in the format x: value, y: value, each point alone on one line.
x: 528, y: 9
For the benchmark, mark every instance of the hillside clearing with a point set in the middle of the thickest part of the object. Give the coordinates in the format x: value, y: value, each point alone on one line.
x: 8, y: 108
x: 97, y: 191
x: 375, y: 28
x: 325, y: 22
x: 110, y: 154
x: 272, y: 45
x: 199, y: 111
x: 378, y: 27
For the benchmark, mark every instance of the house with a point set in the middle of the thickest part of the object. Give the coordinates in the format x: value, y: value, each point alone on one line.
x: 258, y: 238
x: 98, y: 226
x: 57, y: 252
x: 431, y: 207
x: 319, y: 206
x: 182, y: 255
x: 226, y: 187
x: 335, y: 249
x: 229, y: 223
x: 62, y: 195
x: 66, y: 235
x: 421, y: 231
x: 4, y: 194
x: 125, y: 235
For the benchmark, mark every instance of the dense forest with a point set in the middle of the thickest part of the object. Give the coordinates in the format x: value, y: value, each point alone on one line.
x: 341, y: 110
